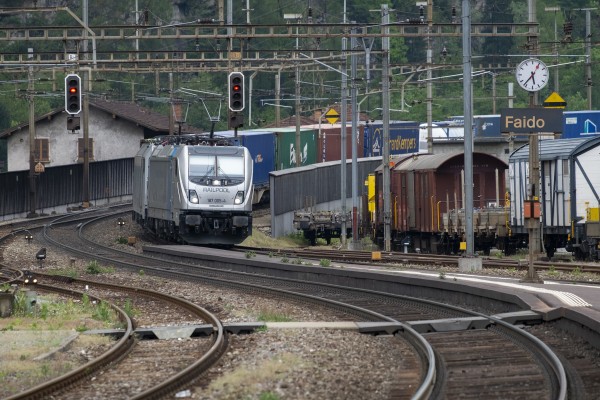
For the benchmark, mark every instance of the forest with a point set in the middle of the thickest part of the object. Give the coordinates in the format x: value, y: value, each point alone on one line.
x: 561, y: 45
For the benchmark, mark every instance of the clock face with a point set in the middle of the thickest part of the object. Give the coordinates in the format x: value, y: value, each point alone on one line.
x: 532, y: 74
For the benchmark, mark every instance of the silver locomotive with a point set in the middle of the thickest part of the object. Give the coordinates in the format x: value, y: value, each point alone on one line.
x: 194, y: 193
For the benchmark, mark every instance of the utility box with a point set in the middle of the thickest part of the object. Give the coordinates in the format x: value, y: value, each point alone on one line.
x: 7, y: 301
x: 593, y: 214
x: 531, y: 209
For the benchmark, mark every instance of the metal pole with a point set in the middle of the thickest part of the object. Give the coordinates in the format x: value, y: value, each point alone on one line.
x: 429, y: 80
x: 588, y: 55
x: 534, y: 165
x: 468, y: 111
x: 385, y: 99
x: 86, y: 138
x: 277, y: 96
x: 343, y: 118
x: 353, y: 67
x: 32, y: 188
x: 298, y: 142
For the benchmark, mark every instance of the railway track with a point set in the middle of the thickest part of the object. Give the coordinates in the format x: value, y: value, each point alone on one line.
x: 533, y: 355
x: 395, y: 258
x: 133, y: 371
x: 435, y: 359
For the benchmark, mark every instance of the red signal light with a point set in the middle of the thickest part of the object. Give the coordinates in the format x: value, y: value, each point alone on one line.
x: 73, y: 90
x: 236, y: 91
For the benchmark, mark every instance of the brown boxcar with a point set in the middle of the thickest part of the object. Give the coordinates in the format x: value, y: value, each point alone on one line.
x: 424, y: 189
x: 329, y: 141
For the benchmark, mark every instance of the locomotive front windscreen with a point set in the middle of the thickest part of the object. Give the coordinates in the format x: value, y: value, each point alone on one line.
x: 221, y: 170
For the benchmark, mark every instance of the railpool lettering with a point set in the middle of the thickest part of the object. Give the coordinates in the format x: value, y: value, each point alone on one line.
x: 215, y: 189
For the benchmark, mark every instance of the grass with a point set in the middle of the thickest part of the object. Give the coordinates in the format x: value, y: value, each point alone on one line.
x: 246, y: 382
x: 69, y: 272
x: 94, y: 268
x: 270, y: 315
x: 259, y: 239
x: 51, y: 312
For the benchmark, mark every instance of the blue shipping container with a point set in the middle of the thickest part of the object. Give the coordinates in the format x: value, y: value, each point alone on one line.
x: 404, y: 138
x: 261, y: 145
x: 581, y: 123
x: 486, y: 126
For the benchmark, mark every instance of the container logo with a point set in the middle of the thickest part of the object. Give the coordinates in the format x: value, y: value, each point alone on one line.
x: 589, y: 128
x: 376, y: 149
x: 303, y: 154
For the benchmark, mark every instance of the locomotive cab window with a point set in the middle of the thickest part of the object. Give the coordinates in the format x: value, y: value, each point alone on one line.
x: 216, y: 171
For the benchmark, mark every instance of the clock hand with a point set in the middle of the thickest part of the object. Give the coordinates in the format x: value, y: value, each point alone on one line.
x: 533, y: 77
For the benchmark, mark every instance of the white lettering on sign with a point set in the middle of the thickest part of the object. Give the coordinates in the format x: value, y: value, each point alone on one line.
x: 570, y: 120
x: 524, y: 122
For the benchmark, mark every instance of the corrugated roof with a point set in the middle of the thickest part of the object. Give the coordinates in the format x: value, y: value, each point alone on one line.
x: 557, y: 148
x: 425, y: 161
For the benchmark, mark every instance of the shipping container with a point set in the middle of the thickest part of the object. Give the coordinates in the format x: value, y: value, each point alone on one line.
x: 329, y: 145
x: 581, y: 123
x: 261, y: 145
x: 404, y: 138
x: 487, y: 126
x: 569, y: 182
x: 285, y: 149
x: 440, y: 130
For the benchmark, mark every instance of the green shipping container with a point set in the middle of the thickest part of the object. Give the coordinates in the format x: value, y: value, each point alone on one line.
x: 285, y: 154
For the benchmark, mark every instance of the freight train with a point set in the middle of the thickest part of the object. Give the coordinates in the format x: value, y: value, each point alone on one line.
x: 427, y: 201
x: 194, y: 189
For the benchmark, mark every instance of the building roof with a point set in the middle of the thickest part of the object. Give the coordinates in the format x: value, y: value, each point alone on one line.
x: 557, y: 148
x: 141, y: 116
x: 291, y: 122
x: 129, y: 111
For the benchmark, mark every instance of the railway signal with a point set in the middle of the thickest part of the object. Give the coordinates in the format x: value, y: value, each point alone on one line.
x: 73, y: 94
x: 236, y: 91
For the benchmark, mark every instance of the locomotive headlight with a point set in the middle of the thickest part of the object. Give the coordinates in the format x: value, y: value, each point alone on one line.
x: 216, y: 182
x: 193, y: 197
x: 239, y: 197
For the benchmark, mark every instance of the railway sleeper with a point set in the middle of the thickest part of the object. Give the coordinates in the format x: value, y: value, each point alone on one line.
x: 461, y: 324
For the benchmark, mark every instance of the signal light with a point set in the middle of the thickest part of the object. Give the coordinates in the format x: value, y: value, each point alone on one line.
x: 73, y: 94
x: 236, y: 91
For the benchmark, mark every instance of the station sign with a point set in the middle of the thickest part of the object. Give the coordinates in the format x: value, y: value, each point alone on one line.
x: 531, y: 120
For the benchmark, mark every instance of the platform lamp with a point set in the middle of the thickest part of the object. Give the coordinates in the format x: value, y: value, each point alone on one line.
x: 41, y: 256
x: 28, y: 236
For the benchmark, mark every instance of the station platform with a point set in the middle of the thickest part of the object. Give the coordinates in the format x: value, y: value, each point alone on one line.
x: 578, y: 302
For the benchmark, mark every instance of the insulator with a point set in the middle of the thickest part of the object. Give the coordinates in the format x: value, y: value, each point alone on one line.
x: 568, y: 27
